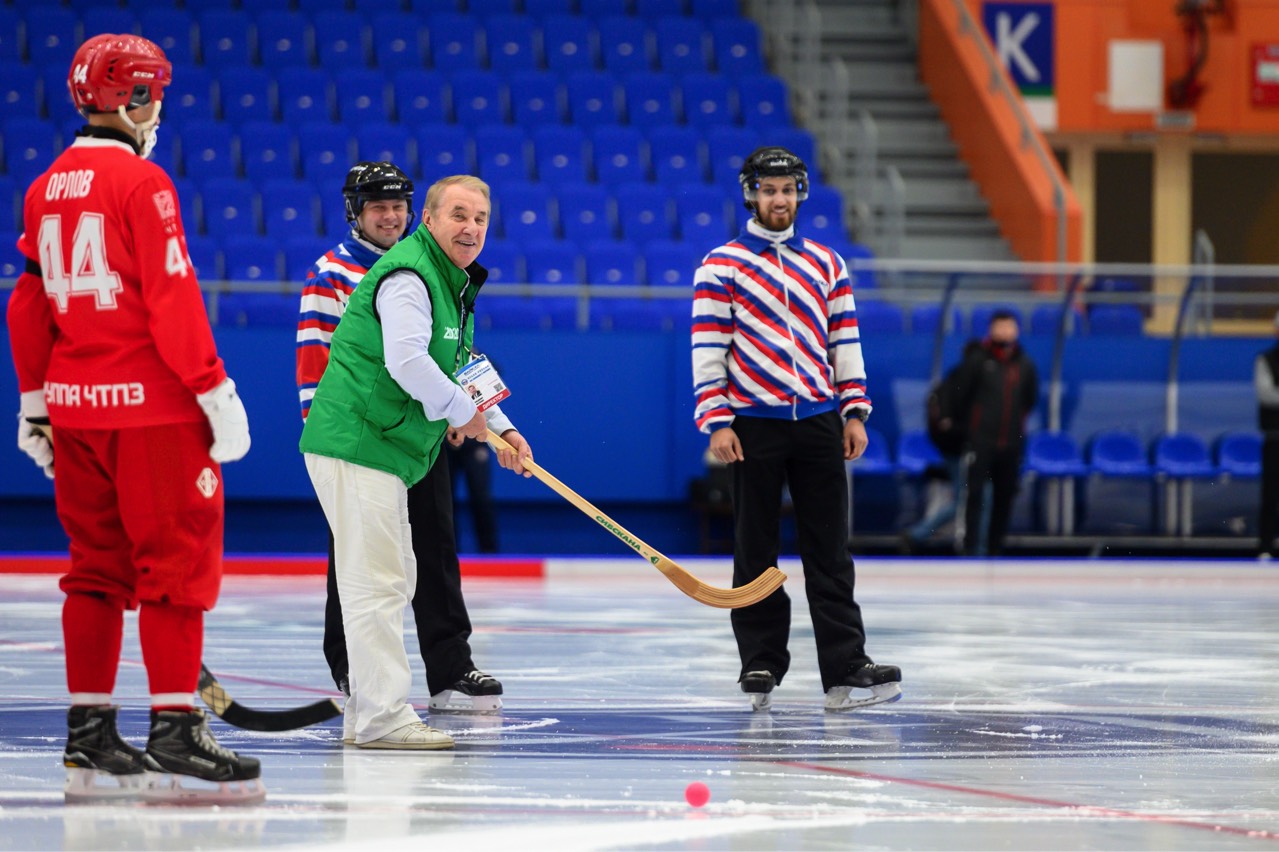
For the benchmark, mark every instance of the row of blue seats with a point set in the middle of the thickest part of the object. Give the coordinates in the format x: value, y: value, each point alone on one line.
x: 224, y: 39
x: 1099, y: 320
x: 1110, y: 453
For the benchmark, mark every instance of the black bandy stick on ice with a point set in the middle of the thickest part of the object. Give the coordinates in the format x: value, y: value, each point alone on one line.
x: 232, y: 712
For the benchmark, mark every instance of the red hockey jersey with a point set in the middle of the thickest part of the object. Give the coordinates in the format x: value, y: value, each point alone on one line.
x: 114, y: 327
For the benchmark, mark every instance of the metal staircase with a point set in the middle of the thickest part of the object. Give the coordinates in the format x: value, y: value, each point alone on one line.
x: 851, y: 66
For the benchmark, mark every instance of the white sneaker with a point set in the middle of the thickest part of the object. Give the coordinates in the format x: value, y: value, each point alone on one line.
x: 415, y: 735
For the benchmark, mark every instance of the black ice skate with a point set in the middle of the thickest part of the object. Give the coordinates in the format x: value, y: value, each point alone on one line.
x: 100, y: 765
x: 759, y: 686
x: 182, y: 747
x: 473, y: 692
x: 864, y: 686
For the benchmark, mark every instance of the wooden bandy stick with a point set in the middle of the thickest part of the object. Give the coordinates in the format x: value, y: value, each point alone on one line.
x: 753, y: 592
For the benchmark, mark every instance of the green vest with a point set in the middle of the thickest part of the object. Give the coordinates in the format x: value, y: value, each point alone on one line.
x: 359, y: 413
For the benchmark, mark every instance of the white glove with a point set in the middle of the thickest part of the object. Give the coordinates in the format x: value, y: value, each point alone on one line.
x: 229, y: 420
x: 33, y: 431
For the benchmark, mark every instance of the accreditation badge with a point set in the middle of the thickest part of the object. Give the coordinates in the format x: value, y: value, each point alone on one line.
x: 482, y: 383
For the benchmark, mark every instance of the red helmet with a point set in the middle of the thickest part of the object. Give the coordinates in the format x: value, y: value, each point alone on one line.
x: 111, y: 71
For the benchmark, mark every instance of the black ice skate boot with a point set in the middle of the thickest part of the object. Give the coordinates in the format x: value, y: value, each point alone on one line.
x: 759, y: 686
x: 182, y: 746
x: 100, y: 765
x: 874, y: 684
x: 473, y: 692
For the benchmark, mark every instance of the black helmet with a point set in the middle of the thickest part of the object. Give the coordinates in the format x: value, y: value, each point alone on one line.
x: 375, y: 182
x: 769, y: 162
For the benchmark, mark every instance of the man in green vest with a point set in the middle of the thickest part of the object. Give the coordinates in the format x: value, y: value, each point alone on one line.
x: 378, y: 417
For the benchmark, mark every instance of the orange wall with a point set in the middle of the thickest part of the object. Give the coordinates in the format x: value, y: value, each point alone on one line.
x: 1084, y: 28
x: 986, y: 129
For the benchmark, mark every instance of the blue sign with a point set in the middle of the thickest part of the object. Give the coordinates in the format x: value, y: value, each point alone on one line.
x: 1023, y: 36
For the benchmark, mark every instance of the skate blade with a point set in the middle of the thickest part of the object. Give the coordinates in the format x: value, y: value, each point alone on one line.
x: 86, y: 786
x: 186, y: 790
x: 761, y: 700
x: 452, y: 701
x: 840, y: 699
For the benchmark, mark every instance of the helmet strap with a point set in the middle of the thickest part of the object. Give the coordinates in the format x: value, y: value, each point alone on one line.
x: 144, y: 131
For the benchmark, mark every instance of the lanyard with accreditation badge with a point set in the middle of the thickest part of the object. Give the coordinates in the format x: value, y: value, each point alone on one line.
x: 482, y: 383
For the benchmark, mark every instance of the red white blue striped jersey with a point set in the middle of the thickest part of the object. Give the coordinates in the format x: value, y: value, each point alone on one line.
x: 329, y: 283
x: 775, y: 331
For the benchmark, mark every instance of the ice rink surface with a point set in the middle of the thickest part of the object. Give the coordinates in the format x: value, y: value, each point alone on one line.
x: 1047, y: 705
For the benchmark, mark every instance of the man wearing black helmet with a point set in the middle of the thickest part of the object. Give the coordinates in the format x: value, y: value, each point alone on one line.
x: 781, y: 389
x: 379, y: 208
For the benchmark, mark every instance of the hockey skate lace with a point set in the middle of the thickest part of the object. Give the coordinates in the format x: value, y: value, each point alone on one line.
x: 476, y: 677
x: 204, y: 738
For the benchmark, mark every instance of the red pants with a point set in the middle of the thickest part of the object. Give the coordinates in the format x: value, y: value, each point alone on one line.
x: 144, y: 510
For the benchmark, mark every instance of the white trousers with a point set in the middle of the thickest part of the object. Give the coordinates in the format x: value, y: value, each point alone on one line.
x: 376, y: 576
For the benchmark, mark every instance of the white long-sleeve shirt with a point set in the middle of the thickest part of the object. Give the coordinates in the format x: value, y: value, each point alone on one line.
x: 405, y: 310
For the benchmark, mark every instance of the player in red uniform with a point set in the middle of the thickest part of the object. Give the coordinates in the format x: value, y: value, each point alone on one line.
x: 113, y: 349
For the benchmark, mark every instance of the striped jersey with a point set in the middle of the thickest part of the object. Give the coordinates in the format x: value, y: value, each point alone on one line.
x: 329, y: 283
x: 775, y: 331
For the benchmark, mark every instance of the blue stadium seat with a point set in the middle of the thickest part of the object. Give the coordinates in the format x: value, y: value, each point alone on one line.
x: 1125, y: 320
x: 455, y: 41
x: 225, y: 39
x: 256, y: 310
x: 924, y: 319
x: 1118, y: 454
x: 877, y: 460
x: 230, y: 208
x: 486, y: 10
x: 267, y: 151
x: 421, y: 97
x: 342, y: 40
x: 363, y: 96
x: 598, y: 9
x: 1054, y: 454
x: 300, y: 253
x: 30, y: 144
x: 173, y: 30
x: 823, y: 215
x: 501, y: 153
x: 11, y: 260
x: 864, y: 279
x: 399, y: 42
x: 727, y: 148
x: 53, y: 34
x: 541, y: 313
x: 536, y: 98
x: 979, y: 317
x: 246, y: 94
x: 10, y: 49
x: 618, y: 154
x: 650, y: 99
x: 305, y: 94
x: 613, y: 262
x: 190, y: 97
x: 586, y: 213
x: 314, y: 7
x: 763, y: 101
x: 511, y: 43
x: 10, y: 201
x: 570, y: 44
x: 333, y: 222
x: 594, y: 99
x: 386, y: 142
x: 504, y: 263
x: 442, y: 150
x: 208, y: 150
x: 648, y: 313
x: 709, y: 100
x: 20, y: 90
x: 643, y: 211
x: 653, y: 9
x: 283, y: 39
x: 880, y: 318
x: 671, y: 263
x: 681, y: 44
x: 553, y: 262
x: 54, y: 93
x: 801, y: 143
x: 1183, y: 455
x: 559, y: 152
x: 737, y: 46
x: 714, y: 10
x: 524, y: 211
x: 677, y: 156
x: 916, y: 452
x: 290, y: 209
x: 1239, y: 454
x: 256, y: 258
x: 326, y: 152
x: 106, y: 19
x: 1045, y: 320
x: 479, y: 97
x: 189, y: 206
x: 543, y: 9
x: 703, y: 217
x: 205, y: 255
x: 624, y: 45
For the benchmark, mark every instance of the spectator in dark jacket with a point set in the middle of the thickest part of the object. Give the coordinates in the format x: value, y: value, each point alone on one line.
x: 998, y: 387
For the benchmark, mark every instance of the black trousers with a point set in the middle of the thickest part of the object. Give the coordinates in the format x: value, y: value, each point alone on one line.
x: 1268, y: 519
x: 443, y: 626
x: 1002, y: 469
x: 809, y: 456
x: 471, y: 461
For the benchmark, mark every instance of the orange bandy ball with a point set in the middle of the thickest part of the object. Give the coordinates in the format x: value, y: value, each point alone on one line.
x: 697, y: 794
